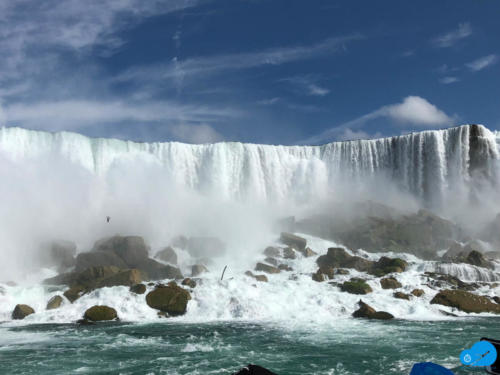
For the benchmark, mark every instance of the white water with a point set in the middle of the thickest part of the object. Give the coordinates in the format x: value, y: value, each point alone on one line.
x: 290, y: 299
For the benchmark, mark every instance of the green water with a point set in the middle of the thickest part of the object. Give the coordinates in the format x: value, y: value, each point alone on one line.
x: 361, y: 347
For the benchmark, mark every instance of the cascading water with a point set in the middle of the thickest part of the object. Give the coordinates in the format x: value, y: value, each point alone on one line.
x: 428, y: 164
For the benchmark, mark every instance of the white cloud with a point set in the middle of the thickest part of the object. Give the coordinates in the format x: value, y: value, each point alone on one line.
x: 80, y: 113
x: 482, y: 63
x: 452, y: 37
x: 270, y: 101
x: 190, y: 133
x: 245, y: 60
x: 449, y: 79
x: 348, y: 134
x: 413, y: 111
x: 306, y: 85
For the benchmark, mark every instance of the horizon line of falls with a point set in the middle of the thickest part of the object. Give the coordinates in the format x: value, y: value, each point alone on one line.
x: 429, y: 165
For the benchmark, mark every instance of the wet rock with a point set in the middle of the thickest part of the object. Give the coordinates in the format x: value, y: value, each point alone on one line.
x: 294, y: 241
x: 289, y: 253
x: 158, y: 271
x: 58, y: 253
x: 401, y: 295
x: 98, y: 259
x: 253, y: 370
x: 386, y: 265
x: 446, y: 313
x: 439, y: 280
x: 198, y: 269
x: 210, y: 247
x: 100, y: 313
x: 496, y: 299
x: 465, y: 301
x: 84, y: 322
x: 390, y: 283
x: 272, y: 251
x: 468, y: 254
x: 308, y: 252
x: 262, y: 278
x: 266, y: 268
x: 168, y: 255
x: 138, y: 288
x: 356, y: 286
x: 75, y: 292
x: 327, y: 271
x: 418, y: 292
x: 131, y: 249
x: 125, y: 278
x: 318, y: 276
x: 271, y: 261
x: 341, y: 271
x: 54, y: 303
x: 22, y: 311
x: 477, y: 259
x: 170, y: 299
x: 189, y: 282
x: 366, y: 311
x: 285, y: 267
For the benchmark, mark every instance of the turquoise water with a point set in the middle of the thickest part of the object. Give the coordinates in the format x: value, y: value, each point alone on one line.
x: 353, y: 347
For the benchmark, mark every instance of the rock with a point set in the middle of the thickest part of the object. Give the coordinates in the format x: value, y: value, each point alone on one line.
x: 289, y: 253
x: 386, y: 265
x: 366, y: 311
x: 441, y: 281
x: 341, y: 271
x: 401, y: 295
x: 356, y: 286
x: 54, y: 303
x: 253, y: 370
x: 266, y: 268
x: 328, y: 271
x: 272, y: 251
x: 448, y: 313
x: 262, y: 278
x: 418, y: 292
x: 271, y: 261
x: 22, y: 311
x: 180, y: 241
x: 189, y: 282
x: 100, y: 313
x: 390, y: 283
x: 138, y: 289
x: 319, y: 276
x: 158, y: 271
x: 465, y: 301
x: 168, y: 255
x: 308, y: 252
x: 98, y: 259
x: 294, y: 241
x: 210, y: 247
x: 285, y: 267
x: 477, y: 259
x: 84, y: 322
x: 126, y: 278
x: 131, y: 249
x: 170, y: 299
x: 198, y: 269
x: 496, y: 299
x: 75, y: 292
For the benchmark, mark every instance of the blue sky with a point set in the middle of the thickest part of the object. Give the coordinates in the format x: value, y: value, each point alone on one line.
x: 261, y: 71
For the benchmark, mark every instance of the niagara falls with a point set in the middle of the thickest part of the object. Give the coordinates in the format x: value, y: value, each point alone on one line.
x: 260, y: 187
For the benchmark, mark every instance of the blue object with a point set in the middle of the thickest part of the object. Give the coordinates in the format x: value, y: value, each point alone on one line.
x: 429, y: 368
x: 482, y: 353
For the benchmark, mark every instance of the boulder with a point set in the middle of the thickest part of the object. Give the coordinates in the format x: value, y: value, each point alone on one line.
x: 390, y: 283
x: 271, y: 261
x: 327, y: 271
x: 496, y: 299
x: 253, y: 370
x: 168, y: 255
x: 210, y: 247
x: 189, y: 282
x: 125, y: 277
x: 272, y: 251
x: 73, y: 293
x: 318, y: 276
x: 266, y: 268
x: 439, y: 280
x: 100, y: 313
x: 198, y: 269
x: 356, y: 286
x: 54, y: 303
x: 418, y: 292
x: 158, y: 271
x: 294, y: 241
x: 58, y: 253
x: 366, y: 311
x: 386, y: 265
x: 341, y: 271
x: 308, y: 252
x: 465, y: 301
x: 98, y: 259
x: 170, y: 299
x: 401, y: 295
x: 22, y: 311
x: 262, y: 278
x: 477, y: 259
x: 467, y: 254
x: 138, y: 289
x: 131, y: 249
x: 289, y: 253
